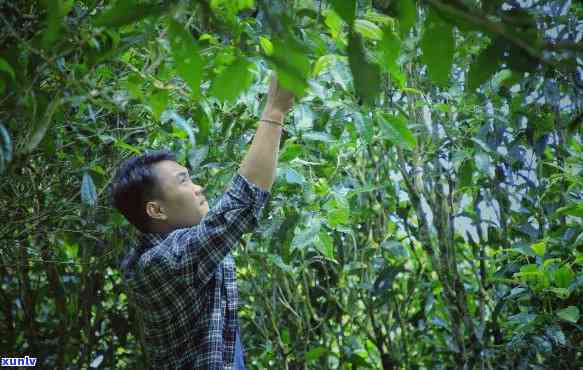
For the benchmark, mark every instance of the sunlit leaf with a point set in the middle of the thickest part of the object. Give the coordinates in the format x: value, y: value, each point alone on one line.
x: 318, y: 136
x: 266, y: 45
x: 322, y: 63
x: 71, y: 249
x: 539, y: 248
x: 334, y: 23
x: 574, y: 209
x: 368, y: 30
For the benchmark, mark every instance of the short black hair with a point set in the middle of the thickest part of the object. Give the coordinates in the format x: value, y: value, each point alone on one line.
x: 135, y: 184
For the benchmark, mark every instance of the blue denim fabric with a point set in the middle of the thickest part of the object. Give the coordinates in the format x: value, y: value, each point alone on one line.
x: 239, y: 359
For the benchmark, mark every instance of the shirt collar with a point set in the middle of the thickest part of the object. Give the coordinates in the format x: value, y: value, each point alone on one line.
x: 151, y: 239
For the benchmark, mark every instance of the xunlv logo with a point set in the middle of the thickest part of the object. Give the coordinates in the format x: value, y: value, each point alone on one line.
x: 18, y: 361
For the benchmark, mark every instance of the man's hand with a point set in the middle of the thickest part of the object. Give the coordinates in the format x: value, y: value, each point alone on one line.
x: 279, y: 101
x: 260, y: 163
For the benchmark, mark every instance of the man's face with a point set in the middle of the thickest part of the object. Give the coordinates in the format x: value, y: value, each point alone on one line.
x: 183, y: 203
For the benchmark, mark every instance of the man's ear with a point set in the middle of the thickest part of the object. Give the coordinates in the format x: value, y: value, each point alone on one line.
x: 156, y: 211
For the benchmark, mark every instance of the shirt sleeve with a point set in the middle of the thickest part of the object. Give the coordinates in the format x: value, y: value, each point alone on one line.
x: 196, y: 252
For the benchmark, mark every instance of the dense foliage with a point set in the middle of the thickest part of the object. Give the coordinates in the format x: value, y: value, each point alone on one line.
x: 429, y: 203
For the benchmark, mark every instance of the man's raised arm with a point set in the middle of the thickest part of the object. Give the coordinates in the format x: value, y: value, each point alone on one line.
x: 260, y: 162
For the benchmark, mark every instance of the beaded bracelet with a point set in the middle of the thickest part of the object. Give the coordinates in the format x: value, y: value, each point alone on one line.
x: 272, y: 122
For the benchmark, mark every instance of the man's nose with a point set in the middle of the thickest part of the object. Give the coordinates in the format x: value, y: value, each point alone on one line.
x: 198, y: 190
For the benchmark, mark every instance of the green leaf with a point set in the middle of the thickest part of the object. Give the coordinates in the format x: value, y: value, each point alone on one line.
x: 266, y: 45
x: 574, y: 209
x: 186, y: 53
x: 325, y: 245
x: 123, y: 145
x: 43, y: 126
x: 539, y: 248
x: 232, y: 81
x: 395, y: 127
x: 570, y: 314
x: 318, y: 136
x: 407, y: 15
x: 390, y: 49
x: 125, y: 12
x: 290, y: 151
x: 292, y: 176
x: 6, y: 67
x: 368, y: 30
x: 438, y: 47
x: 562, y: 293
x: 564, y: 276
x: 88, y: 192
x: 466, y: 173
x: 322, y: 63
x: 71, y: 250
x: 291, y: 64
x: 54, y: 21
x: 485, y: 66
x: 345, y: 9
x: 158, y: 102
x: 315, y: 353
x: 334, y: 23
x: 133, y: 85
x: 366, y: 75
x: 337, y: 212
x: 307, y: 235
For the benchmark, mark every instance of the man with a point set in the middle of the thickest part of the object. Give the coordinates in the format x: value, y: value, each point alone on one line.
x: 182, y: 277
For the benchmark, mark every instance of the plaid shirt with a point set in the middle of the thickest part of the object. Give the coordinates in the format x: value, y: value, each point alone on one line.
x: 184, y: 286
